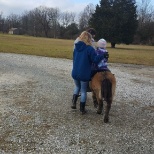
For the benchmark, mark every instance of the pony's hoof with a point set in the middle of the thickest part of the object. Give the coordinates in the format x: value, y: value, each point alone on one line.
x: 106, y: 120
x: 73, y: 107
x: 99, y: 112
x: 95, y: 105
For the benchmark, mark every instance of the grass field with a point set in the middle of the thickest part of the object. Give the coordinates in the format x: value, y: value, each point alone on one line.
x: 133, y: 54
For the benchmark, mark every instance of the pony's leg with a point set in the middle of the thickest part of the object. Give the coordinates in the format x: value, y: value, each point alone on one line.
x: 100, y: 107
x: 94, y: 100
x: 100, y: 102
x: 107, y: 110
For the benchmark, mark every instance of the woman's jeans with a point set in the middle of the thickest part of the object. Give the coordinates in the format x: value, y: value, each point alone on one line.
x: 81, y: 86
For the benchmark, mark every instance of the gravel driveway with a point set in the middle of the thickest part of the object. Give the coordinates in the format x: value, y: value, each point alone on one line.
x: 36, y: 117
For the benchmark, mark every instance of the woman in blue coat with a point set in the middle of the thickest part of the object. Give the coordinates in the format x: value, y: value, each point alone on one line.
x: 83, y: 57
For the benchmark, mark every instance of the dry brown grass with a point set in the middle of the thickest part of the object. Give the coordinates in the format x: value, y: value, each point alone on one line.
x: 133, y: 54
x: 36, y: 46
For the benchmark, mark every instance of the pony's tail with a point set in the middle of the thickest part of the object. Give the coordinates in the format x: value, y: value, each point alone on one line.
x: 106, y: 90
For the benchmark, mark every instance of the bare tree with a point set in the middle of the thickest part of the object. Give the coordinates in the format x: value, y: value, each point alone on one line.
x: 67, y: 18
x: 27, y: 23
x: 85, y: 16
x: 145, y: 11
x: 41, y: 16
x: 54, y: 18
x: 1, y: 21
x: 13, y: 20
x: 145, y: 32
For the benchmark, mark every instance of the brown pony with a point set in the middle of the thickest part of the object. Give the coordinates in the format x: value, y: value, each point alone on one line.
x: 103, y: 86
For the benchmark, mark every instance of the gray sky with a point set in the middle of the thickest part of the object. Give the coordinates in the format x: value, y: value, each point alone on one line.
x: 20, y: 6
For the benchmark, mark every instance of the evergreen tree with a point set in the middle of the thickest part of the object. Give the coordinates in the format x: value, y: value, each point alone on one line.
x: 115, y: 21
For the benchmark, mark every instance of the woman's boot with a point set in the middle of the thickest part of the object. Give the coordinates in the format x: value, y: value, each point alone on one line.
x: 82, y: 107
x: 74, y: 100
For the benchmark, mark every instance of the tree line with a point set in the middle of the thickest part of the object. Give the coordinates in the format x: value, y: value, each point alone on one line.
x: 118, y: 21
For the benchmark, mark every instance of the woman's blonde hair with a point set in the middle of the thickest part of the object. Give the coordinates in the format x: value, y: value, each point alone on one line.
x: 86, y: 38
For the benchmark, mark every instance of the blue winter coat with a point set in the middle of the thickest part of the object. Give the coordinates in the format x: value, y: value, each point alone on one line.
x: 83, y: 57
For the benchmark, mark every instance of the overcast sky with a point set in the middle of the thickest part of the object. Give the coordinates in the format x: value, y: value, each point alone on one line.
x: 20, y: 6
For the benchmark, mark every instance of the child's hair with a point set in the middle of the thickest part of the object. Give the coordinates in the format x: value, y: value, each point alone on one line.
x: 86, y: 38
x: 92, y: 31
x: 101, y: 43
